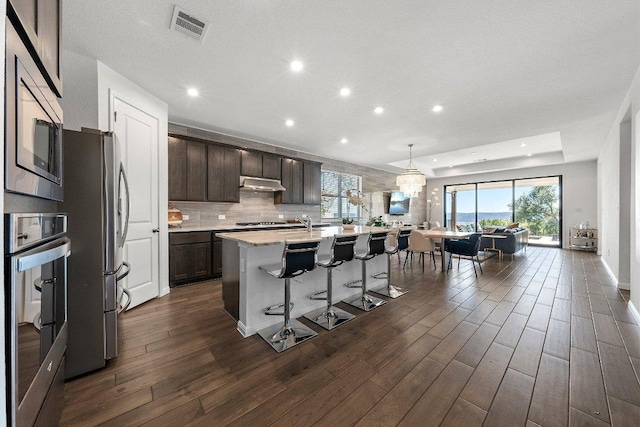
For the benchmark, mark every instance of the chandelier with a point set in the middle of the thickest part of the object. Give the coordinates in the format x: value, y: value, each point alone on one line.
x: 411, y: 180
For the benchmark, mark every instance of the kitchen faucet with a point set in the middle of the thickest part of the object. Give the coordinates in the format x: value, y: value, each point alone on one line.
x: 306, y: 222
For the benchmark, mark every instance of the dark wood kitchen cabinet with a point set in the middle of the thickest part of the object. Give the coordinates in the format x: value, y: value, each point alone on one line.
x: 190, y: 257
x: 251, y: 163
x: 40, y: 24
x: 260, y: 165
x: 292, y: 180
x: 223, y: 174
x: 271, y: 166
x: 187, y: 170
x: 312, y: 183
x: 217, y: 256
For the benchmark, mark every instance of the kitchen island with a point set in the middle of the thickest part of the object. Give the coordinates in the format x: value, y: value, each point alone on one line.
x: 247, y: 291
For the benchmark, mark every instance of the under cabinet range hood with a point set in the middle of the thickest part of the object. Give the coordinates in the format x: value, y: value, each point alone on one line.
x: 260, y: 184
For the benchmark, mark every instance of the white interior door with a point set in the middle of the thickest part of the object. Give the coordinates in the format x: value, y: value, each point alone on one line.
x: 137, y: 133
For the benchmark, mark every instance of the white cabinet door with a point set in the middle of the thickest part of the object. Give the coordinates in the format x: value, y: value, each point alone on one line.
x: 137, y: 133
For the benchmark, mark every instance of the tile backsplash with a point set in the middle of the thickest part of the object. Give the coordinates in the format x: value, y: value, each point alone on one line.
x: 253, y: 207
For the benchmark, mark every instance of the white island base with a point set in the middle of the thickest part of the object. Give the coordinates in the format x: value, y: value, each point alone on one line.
x: 255, y: 290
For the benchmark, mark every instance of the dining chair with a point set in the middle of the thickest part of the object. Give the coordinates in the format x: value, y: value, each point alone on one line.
x: 421, y: 244
x: 465, y: 247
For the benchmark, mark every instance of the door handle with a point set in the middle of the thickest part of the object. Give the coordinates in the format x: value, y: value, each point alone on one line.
x: 156, y: 230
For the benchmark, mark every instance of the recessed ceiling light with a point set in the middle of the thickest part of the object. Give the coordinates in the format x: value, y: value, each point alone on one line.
x: 473, y: 152
x: 450, y: 166
x: 378, y: 110
x: 344, y: 140
x: 437, y: 108
x: 345, y: 91
x: 296, y: 66
x: 289, y: 122
x: 529, y: 155
x: 192, y: 91
x: 435, y: 160
x: 524, y: 144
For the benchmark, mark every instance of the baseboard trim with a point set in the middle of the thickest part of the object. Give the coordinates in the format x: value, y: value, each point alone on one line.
x: 606, y: 266
x: 244, y: 330
x: 624, y: 286
x: 634, y: 310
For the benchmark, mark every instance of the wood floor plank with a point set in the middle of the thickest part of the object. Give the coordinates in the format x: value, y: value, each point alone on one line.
x: 474, y: 349
x: 395, y: 404
x: 623, y: 413
x: 583, y: 335
x: 511, y: 404
x: 447, y: 348
x: 558, y: 340
x: 606, y: 329
x: 465, y: 414
x: 631, y: 337
x: 580, y: 306
x: 512, y: 329
x: 436, y: 316
x: 525, y: 305
x: 587, y: 385
x: 486, y: 378
x: 539, y: 318
x: 481, y: 312
x: 546, y: 296
x: 580, y: 419
x: 619, y: 378
x: 500, y: 314
x: 350, y: 410
x: 325, y: 399
x: 561, y: 310
x: 435, y: 403
x: 599, y: 304
x: 449, y: 323
x: 181, y: 415
x: 528, y: 351
x: 550, y: 402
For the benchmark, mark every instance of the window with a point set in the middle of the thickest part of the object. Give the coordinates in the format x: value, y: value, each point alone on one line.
x: 334, y: 195
x: 535, y: 203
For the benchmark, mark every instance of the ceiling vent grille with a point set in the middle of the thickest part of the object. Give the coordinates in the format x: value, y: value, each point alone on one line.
x: 185, y: 23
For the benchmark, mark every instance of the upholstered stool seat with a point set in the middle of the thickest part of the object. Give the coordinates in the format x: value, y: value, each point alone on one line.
x: 375, y: 247
x: 342, y: 250
x: 297, y: 259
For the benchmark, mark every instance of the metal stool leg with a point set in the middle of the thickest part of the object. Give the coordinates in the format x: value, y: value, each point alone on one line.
x: 330, y: 317
x: 285, y: 335
x: 365, y: 301
x: 389, y: 290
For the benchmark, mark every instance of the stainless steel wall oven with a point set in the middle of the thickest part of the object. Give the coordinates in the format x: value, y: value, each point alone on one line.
x: 36, y: 251
x: 33, y: 126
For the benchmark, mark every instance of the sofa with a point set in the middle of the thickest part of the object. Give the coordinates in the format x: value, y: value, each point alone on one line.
x: 516, y: 240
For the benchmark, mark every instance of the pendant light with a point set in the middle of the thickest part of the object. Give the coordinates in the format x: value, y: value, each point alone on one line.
x: 411, y: 180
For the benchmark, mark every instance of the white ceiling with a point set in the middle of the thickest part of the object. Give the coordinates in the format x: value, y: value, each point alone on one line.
x: 551, y: 73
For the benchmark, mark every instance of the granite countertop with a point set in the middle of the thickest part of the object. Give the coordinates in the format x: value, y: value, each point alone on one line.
x: 271, y: 237
x: 233, y: 227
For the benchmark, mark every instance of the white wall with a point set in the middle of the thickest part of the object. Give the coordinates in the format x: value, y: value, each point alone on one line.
x: 579, y: 184
x: 610, y: 192
x: 87, y: 103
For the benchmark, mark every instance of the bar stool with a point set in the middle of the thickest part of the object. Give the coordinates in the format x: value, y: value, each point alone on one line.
x: 342, y: 250
x: 297, y: 259
x: 402, y: 242
x: 375, y: 246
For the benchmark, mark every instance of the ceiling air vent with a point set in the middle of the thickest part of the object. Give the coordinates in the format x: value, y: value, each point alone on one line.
x: 187, y: 24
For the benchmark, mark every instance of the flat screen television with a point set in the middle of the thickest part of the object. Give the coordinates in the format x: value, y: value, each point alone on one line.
x: 399, y: 203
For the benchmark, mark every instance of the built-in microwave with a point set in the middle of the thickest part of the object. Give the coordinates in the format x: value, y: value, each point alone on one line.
x: 33, y: 134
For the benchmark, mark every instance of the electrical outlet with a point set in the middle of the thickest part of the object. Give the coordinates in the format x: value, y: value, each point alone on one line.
x: 185, y: 217
x: 222, y: 216
x: 280, y: 216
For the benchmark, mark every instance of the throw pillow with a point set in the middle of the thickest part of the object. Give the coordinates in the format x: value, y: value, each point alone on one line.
x: 470, y: 228
x: 513, y: 225
x: 459, y: 228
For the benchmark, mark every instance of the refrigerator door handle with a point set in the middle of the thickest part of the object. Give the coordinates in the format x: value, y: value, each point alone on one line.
x: 126, y: 273
x: 125, y: 306
x: 123, y: 177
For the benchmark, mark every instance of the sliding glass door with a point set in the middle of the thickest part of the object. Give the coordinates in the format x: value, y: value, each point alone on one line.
x: 535, y: 203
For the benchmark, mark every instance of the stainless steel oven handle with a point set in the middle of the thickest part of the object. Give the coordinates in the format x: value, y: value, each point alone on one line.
x: 26, y: 262
x: 126, y: 188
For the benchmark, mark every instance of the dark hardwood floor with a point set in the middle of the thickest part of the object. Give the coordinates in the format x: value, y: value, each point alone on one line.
x: 545, y: 339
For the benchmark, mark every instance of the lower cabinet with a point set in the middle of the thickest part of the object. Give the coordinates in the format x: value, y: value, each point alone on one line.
x: 193, y: 257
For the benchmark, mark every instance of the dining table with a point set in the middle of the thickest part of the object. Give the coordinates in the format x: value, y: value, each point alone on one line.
x: 444, y: 234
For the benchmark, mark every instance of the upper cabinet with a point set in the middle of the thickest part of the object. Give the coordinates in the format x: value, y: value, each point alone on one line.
x: 39, y: 23
x: 203, y: 172
x: 312, y: 183
x: 260, y: 165
x: 223, y: 174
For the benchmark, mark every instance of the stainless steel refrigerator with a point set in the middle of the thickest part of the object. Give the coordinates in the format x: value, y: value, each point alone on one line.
x: 96, y: 200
